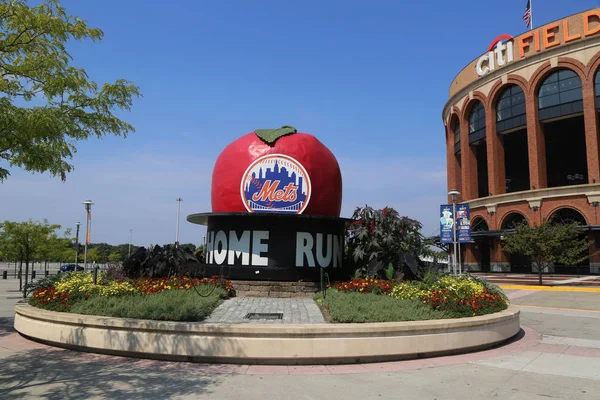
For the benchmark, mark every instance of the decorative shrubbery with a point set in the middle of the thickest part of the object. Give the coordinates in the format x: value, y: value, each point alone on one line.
x: 67, y: 292
x: 434, y: 296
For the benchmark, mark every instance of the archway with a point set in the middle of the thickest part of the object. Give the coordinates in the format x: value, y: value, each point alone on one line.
x: 511, y: 124
x: 560, y: 111
x: 518, y: 263
x: 477, y: 141
x: 482, y: 244
x: 570, y: 216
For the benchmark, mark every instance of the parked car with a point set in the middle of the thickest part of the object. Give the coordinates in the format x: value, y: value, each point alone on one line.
x: 70, y: 268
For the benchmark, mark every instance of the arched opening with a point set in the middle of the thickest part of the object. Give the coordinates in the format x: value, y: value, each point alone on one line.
x: 518, y: 263
x: 511, y: 123
x: 455, y: 131
x: 560, y: 108
x: 570, y: 216
x: 477, y: 141
x: 482, y: 244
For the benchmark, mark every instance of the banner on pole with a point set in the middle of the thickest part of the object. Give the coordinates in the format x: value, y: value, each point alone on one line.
x: 446, y: 223
x: 463, y: 223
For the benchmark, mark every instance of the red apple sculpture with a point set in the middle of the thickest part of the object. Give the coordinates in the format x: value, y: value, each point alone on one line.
x: 277, y: 171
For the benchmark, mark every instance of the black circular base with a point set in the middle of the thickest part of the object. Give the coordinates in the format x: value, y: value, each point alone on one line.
x: 267, y: 246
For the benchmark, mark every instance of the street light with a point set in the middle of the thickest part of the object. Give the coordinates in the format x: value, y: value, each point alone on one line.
x: 77, y: 244
x: 179, y: 200
x: 453, y: 193
x: 88, y: 209
x: 131, y: 230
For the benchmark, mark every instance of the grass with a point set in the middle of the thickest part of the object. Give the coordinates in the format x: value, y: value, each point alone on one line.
x: 170, y: 305
x: 353, y: 307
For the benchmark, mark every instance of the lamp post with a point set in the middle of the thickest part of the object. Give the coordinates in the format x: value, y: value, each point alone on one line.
x: 130, y: 231
x: 179, y: 200
x: 88, y: 210
x: 453, y: 193
x: 77, y: 244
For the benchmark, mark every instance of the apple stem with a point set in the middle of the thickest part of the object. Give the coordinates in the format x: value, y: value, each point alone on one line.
x: 270, y: 136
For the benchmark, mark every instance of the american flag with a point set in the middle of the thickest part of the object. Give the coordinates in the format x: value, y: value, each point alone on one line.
x: 527, y: 16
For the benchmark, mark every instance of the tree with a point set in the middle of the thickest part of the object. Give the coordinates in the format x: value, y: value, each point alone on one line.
x: 190, y: 247
x: 35, y: 64
x: 27, y: 239
x: 378, y: 238
x: 114, y: 258
x: 548, y: 244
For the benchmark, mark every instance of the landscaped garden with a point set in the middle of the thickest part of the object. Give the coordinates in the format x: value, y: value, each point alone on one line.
x: 382, y: 249
x: 169, y: 299
x: 437, y: 297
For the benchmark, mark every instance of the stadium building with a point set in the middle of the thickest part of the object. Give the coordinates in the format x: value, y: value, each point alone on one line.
x: 522, y: 138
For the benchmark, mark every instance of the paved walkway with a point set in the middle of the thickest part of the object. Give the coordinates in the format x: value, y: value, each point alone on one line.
x: 294, y: 311
x: 556, y: 356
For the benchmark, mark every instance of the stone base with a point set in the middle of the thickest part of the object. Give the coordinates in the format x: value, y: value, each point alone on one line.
x: 499, y: 267
x: 275, y: 289
x: 281, y: 344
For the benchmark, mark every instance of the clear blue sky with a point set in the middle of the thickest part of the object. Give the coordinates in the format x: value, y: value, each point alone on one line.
x: 369, y: 79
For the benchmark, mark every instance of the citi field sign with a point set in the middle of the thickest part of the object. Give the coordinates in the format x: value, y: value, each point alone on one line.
x: 505, y: 49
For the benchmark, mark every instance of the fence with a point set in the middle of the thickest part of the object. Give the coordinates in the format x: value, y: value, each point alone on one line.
x: 11, y: 269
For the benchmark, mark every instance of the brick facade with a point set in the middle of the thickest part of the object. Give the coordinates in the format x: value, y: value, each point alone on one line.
x: 462, y: 175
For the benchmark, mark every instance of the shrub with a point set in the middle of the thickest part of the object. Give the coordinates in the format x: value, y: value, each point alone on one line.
x: 45, y: 282
x: 50, y: 299
x: 408, y: 291
x: 444, y: 299
x: 170, y: 305
x: 153, y: 285
x: 365, y: 285
x: 354, y: 307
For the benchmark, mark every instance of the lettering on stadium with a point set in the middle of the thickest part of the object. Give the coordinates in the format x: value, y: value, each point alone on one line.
x: 505, y: 49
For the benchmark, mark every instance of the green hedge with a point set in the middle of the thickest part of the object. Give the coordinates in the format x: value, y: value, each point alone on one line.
x: 170, y: 305
x: 347, y: 307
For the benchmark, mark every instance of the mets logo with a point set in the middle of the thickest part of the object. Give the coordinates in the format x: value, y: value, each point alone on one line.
x: 275, y: 183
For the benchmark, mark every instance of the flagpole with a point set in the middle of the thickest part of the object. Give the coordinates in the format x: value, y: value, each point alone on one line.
x: 531, y: 14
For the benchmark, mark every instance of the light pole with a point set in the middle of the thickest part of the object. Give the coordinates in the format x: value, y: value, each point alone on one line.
x: 179, y: 200
x: 131, y: 230
x: 77, y: 245
x: 453, y: 193
x: 88, y: 210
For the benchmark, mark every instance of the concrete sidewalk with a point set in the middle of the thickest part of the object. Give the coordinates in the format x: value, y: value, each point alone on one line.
x: 559, y: 358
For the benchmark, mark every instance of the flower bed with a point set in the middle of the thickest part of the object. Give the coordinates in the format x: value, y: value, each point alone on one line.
x: 376, y: 300
x: 67, y: 293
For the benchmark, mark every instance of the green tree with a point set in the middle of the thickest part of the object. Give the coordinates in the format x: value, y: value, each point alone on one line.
x: 189, y: 247
x: 378, y: 238
x: 114, y: 258
x: 27, y: 239
x: 548, y: 244
x: 40, y: 136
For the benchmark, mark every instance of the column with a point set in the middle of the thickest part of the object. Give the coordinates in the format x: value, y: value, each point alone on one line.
x: 591, y: 131
x: 453, y: 167
x: 495, y: 155
x: 536, y: 146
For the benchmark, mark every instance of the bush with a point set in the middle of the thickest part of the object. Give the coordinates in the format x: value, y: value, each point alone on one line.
x: 355, y: 307
x: 365, y: 285
x: 171, y: 305
x: 409, y: 291
x: 50, y: 299
x: 46, y: 282
x: 444, y: 299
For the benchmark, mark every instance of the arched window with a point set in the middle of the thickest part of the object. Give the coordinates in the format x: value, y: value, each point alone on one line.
x: 510, y: 109
x: 479, y: 225
x: 456, y: 129
x: 513, y: 220
x: 567, y: 216
x: 560, y: 95
x: 477, y: 123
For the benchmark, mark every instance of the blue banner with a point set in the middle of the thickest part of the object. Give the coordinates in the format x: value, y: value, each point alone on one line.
x: 463, y: 225
x: 446, y: 222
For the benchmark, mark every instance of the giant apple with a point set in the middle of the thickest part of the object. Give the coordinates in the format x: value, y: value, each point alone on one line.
x: 277, y: 171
